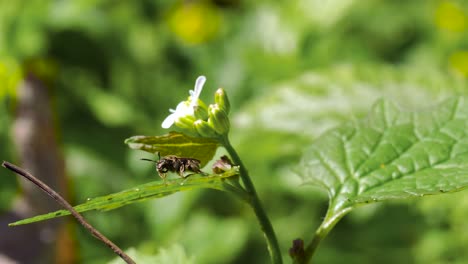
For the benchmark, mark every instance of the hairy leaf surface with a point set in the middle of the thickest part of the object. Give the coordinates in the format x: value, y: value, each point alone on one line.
x: 392, y: 154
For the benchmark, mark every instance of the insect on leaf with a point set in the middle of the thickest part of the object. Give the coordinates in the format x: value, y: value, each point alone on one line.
x: 391, y: 154
x: 156, y: 189
x: 177, y: 144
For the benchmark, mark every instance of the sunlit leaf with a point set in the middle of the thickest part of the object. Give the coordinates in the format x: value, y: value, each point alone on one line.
x: 143, y: 192
x: 316, y: 101
x: 177, y: 144
x: 392, y: 154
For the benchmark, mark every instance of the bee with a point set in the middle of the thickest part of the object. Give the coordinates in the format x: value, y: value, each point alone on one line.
x: 172, y: 163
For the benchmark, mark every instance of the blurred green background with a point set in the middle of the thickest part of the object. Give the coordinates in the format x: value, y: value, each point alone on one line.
x: 292, y: 69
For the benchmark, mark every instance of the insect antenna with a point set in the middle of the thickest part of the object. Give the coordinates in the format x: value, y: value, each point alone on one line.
x: 149, y: 160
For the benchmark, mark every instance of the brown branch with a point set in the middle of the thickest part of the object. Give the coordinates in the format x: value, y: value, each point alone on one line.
x: 58, y: 198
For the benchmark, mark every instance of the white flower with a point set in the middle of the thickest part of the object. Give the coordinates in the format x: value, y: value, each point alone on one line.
x: 186, y: 108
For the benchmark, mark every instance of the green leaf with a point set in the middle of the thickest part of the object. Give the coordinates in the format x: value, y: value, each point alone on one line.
x: 156, y: 189
x: 316, y: 101
x: 177, y: 144
x: 391, y: 154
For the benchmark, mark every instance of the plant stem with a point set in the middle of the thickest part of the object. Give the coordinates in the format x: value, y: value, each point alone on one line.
x: 331, y: 219
x: 254, y: 201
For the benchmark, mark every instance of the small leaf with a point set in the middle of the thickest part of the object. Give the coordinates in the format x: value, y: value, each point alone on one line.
x: 177, y: 144
x: 143, y: 192
x: 391, y: 154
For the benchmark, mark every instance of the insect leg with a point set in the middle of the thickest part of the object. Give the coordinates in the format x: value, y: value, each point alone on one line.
x: 163, y: 176
x: 181, y: 171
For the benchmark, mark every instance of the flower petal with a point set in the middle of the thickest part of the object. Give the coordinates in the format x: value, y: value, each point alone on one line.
x: 186, y: 108
x: 183, y: 109
x: 169, y: 121
x: 198, y: 87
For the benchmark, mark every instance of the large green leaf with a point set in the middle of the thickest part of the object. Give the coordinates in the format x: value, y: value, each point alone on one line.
x: 177, y: 144
x: 391, y: 154
x: 316, y: 101
x: 146, y: 191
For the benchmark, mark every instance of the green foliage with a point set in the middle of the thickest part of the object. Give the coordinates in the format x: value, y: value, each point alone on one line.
x: 177, y: 144
x: 175, y: 254
x: 391, y: 154
x: 8, y: 185
x: 444, y: 236
x: 141, y: 193
x: 316, y: 101
x: 293, y: 70
x: 202, y: 227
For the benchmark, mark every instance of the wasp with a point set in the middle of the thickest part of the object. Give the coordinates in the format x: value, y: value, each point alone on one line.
x: 172, y: 163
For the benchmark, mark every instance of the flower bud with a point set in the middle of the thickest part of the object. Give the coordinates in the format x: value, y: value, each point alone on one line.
x: 204, y: 129
x: 218, y: 119
x: 186, y: 124
x: 222, y: 100
x: 200, y: 110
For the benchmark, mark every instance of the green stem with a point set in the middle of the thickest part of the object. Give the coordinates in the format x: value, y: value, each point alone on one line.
x: 331, y: 219
x: 254, y: 201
